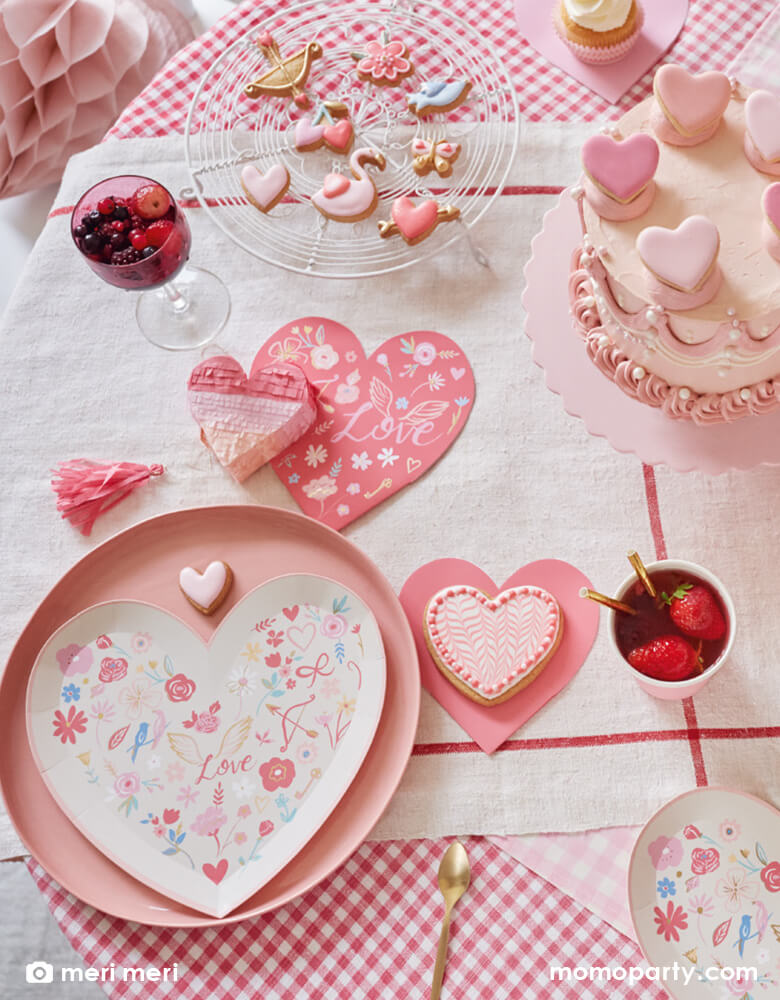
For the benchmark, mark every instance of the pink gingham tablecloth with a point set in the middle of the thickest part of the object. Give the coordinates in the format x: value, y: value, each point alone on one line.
x: 371, y: 928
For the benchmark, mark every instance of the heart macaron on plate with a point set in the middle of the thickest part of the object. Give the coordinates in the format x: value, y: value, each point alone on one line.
x: 202, y: 770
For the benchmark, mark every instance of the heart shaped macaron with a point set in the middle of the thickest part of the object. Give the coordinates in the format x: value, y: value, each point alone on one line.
x: 491, y: 647
x: 762, y: 120
x: 265, y: 190
x: 248, y: 421
x: 692, y: 103
x: 684, y: 257
x: 415, y: 222
x: 771, y: 205
x: 207, y: 590
x: 621, y: 169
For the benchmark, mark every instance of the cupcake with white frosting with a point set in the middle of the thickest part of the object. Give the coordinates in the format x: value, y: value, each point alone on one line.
x: 599, y: 31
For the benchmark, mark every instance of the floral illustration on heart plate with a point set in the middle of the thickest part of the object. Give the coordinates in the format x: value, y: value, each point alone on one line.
x: 211, y: 780
x: 719, y: 900
x: 382, y: 421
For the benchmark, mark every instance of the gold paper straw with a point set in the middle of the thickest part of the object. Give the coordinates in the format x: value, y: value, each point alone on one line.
x: 641, y: 572
x: 608, y: 602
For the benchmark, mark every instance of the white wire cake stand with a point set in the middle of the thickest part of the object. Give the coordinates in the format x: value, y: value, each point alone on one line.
x: 227, y: 129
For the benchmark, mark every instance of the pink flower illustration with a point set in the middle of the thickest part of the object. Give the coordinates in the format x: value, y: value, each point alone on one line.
x: 127, y: 784
x: 67, y: 726
x: 277, y: 773
x: 736, y: 889
x: 175, y: 771
x: 244, y: 811
x: 265, y: 828
x: 207, y: 722
x: 665, y: 852
x: 240, y: 838
x: 346, y: 393
x: 385, y: 62
x: 103, y: 642
x: 287, y: 351
x: 729, y: 830
x: 275, y: 638
x: 424, y: 354
x: 671, y: 922
x: 138, y: 697
x: 112, y: 670
x: 333, y: 626
x: 320, y: 489
x: 770, y: 876
x: 692, y: 832
x: 323, y: 357
x: 179, y: 688
x: 704, y: 860
x: 209, y: 823
x: 74, y: 659
x: 170, y: 816
x: 140, y: 642
x: 307, y: 752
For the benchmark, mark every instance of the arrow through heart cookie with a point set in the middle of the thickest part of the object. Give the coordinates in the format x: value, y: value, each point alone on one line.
x: 203, y: 769
x: 381, y: 421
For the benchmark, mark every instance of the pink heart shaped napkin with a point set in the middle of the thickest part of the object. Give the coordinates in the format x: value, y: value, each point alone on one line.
x: 491, y: 725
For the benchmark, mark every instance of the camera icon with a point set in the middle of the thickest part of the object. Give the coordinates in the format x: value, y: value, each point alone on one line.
x: 39, y: 972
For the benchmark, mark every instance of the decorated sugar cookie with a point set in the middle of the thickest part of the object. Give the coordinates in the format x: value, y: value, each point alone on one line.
x: 207, y: 590
x: 350, y: 199
x: 415, y: 223
x: 287, y: 76
x: 682, y: 262
x: 265, y: 190
x: 430, y: 155
x: 438, y: 97
x: 619, y: 181
x: 492, y: 647
x: 325, y: 130
x: 385, y: 62
x: 688, y: 108
x: 762, y: 131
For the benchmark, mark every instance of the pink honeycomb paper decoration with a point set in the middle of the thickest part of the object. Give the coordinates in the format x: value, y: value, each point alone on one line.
x: 67, y: 68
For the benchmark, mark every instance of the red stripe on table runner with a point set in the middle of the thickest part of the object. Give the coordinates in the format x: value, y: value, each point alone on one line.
x: 608, y: 739
x: 511, y: 190
x: 689, y: 709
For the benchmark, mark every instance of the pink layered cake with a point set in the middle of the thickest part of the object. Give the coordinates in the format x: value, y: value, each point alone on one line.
x: 676, y: 286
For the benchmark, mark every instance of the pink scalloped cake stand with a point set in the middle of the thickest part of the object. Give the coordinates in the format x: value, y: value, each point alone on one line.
x: 628, y: 425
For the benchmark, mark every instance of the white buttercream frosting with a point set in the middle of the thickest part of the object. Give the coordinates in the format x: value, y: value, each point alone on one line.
x: 598, y: 15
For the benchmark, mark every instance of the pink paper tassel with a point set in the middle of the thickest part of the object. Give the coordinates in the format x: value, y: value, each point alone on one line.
x: 85, y: 489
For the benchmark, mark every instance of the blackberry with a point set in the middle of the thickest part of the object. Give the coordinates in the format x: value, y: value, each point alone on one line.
x: 122, y: 257
x: 121, y: 212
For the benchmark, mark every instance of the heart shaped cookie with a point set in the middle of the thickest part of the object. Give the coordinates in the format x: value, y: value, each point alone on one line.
x: 692, y: 104
x: 204, y: 769
x: 207, y: 590
x: 490, y: 648
x: 265, y: 190
x: 339, y: 137
x: 621, y: 169
x: 248, y: 421
x: 682, y: 258
x: 415, y: 222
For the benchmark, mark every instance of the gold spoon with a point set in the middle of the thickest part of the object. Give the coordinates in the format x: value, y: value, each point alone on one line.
x: 454, y: 877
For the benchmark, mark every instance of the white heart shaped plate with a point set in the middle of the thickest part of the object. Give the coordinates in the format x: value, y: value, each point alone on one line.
x: 202, y: 770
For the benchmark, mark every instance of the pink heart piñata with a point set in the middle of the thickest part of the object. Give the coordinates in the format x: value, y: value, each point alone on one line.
x: 491, y: 725
x: 491, y: 647
x: 691, y: 102
x: 762, y: 120
x: 621, y: 169
x: 681, y: 257
x: 382, y: 421
x: 248, y: 421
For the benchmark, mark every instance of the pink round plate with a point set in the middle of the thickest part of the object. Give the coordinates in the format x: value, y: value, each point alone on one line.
x: 143, y: 563
x: 606, y: 410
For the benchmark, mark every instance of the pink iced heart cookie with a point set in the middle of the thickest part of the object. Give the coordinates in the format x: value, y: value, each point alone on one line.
x: 490, y: 648
x: 265, y: 190
x: 415, y: 223
x: 619, y: 175
x: 762, y: 131
x: 207, y: 590
x: 690, y: 106
x: 771, y: 227
x: 248, y: 421
x: 307, y: 134
x: 339, y: 137
x: 682, y: 262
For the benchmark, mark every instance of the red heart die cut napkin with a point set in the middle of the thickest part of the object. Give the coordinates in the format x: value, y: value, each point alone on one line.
x: 490, y: 726
x: 247, y: 421
x: 382, y: 421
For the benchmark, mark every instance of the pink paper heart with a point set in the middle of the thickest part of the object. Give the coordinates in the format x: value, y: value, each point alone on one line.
x: 248, y: 421
x: 621, y: 169
x: 307, y: 134
x: 265, y: 189
x: 335, y: 184
x: 681, y: 257
x: 339, y: 136
x: 771, y: 204
x: 382, y: 421
x: 491, y: 725
x: 693, y: 101
x: 216, y: 872
x: 414, y: 221
x: 762, y: 119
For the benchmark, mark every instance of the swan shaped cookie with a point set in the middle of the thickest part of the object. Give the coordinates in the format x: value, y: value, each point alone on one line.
x: 350, y: 199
